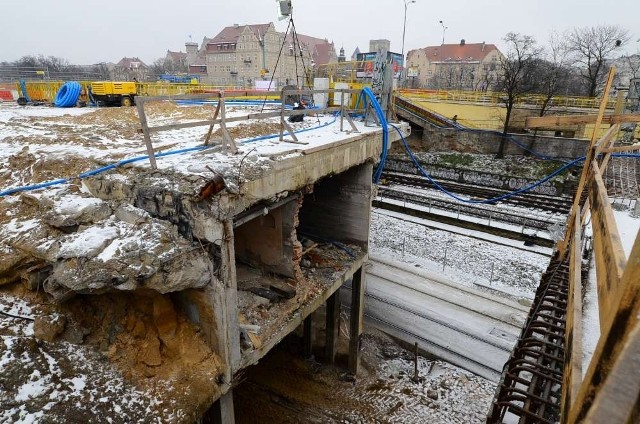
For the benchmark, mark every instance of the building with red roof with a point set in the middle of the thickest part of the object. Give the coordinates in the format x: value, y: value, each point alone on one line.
x: 462, y: 66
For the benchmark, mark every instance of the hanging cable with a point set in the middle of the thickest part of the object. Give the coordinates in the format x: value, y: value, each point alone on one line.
x: 506, y: 195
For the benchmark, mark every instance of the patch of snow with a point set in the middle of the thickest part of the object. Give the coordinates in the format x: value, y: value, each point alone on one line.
x: 87, y: 243
x: 628, y: 228
x: 37, y: 386
x: 465, y: 260
x: 21, y: 226
x: 74, y: 205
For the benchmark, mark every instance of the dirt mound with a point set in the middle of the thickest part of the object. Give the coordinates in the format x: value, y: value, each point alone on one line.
x: 253, y: 129
x: 128, y: 358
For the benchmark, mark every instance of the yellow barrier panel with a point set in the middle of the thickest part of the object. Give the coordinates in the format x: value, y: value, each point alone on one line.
x: 45, y: 91
x: 496, y: 98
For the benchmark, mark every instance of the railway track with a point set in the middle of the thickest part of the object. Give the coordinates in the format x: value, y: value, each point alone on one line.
x: 476, y: 210
x: 460, y: 325
x: 537, y: 201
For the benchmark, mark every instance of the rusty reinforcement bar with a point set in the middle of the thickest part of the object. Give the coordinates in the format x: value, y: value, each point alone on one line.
x: 530, y: 389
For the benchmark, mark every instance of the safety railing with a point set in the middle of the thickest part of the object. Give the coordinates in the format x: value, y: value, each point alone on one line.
x: 611, y: 383
x: 497, y: 98
x: 220, y: 118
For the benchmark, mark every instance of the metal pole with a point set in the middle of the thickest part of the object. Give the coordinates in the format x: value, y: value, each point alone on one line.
x: 415, y: 363
x: 404, y: 26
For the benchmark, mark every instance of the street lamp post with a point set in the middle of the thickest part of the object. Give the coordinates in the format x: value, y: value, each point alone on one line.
x: 444, y: 29
x: 404, y: 27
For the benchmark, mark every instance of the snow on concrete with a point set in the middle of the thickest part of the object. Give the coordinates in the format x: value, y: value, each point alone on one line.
x: 87, y: 243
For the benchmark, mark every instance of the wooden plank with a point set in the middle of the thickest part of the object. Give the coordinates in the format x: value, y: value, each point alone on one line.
x: 607, y: 145
x: 586, y: 169
x: 215, y: 116
x: 572, y: 377
x: 255, y: 339
x: 622, y: 149
x: 617, y: 400
x: 614, y: 365
x: 556, y: 121
x: 609, y: 254
x: 290, y: 130
x: 228, y: 143
x: 147, y: 134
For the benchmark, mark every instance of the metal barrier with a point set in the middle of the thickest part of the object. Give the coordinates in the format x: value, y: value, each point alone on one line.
x: 497, y: 98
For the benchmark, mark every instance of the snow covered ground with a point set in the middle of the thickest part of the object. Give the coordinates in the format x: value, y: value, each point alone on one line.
x: 464, y: 259
x: 41, y: 381
x: 40, y: 143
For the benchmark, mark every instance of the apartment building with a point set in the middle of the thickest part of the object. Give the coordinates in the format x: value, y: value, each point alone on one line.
x: 242, y: 54
x: 460, y: 66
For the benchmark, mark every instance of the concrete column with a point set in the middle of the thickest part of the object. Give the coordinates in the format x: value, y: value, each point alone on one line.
x: 356, y: 319
x: 228, y: 317
x: 307, y: 337
x: 332, y: 327
x: 222, y: 410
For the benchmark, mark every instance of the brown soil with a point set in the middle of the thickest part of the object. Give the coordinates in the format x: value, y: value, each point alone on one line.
x: 145, y: 338
x: 253, y: 129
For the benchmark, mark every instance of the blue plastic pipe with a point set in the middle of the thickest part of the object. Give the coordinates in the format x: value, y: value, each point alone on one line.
x: 68, y: 94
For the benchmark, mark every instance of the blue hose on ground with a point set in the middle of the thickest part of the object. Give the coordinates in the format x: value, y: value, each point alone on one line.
x: 503, y: 196
x: 68, y: 94
x: 33, y: 187
x: 140, y: 158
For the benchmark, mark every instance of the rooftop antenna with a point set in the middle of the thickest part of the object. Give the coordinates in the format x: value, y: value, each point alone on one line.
x: 285, y: 9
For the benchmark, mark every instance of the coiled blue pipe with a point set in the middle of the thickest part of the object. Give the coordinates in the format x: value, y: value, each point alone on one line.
x: 68, y: 94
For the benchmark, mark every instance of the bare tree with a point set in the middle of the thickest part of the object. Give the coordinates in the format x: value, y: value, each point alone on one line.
x: 633, y: 62
x: 517, y: 74
x: 591, y: 48
x: 553, y: 71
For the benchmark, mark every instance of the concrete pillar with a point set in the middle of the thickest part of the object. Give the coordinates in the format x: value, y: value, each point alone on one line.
x: 222, y: 410
x: 307, y: 337
x: 332, y: 327
x: 228, y: 316
x: 356, y: 319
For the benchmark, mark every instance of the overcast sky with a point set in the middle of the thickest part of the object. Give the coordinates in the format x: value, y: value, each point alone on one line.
x: 89, y: 31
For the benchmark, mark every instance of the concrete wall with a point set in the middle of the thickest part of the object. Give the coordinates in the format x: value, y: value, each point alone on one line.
x: 268, y: 242
x: 444, y: 140
x: 339, y: 209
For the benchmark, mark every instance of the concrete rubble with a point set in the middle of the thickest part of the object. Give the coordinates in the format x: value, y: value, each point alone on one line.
x: 87, y: 245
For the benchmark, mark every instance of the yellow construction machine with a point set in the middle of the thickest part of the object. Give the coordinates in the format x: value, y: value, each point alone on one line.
x: 115, y: 93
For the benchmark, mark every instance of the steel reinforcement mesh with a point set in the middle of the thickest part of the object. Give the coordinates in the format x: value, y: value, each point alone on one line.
x: 530, y: 389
